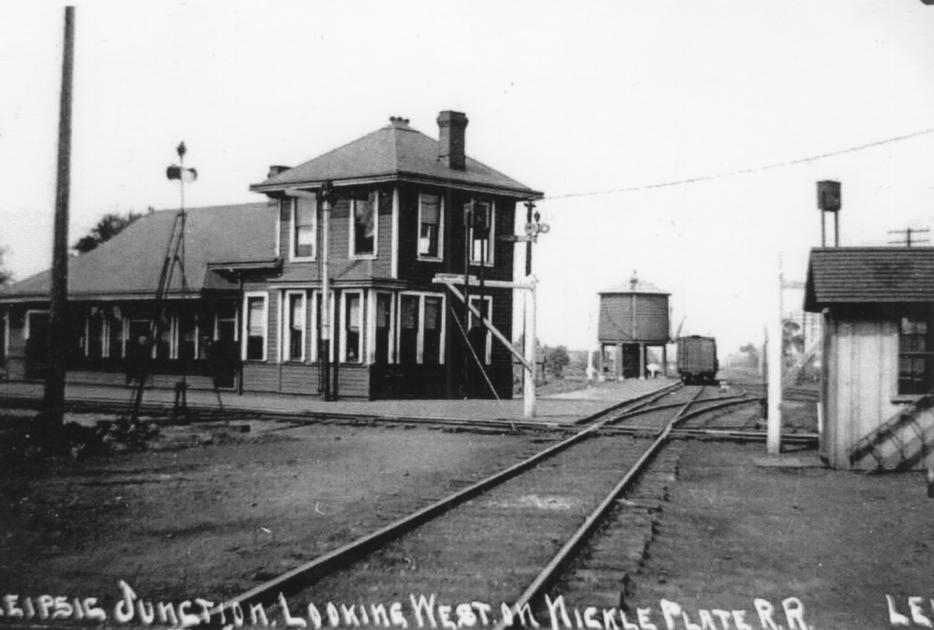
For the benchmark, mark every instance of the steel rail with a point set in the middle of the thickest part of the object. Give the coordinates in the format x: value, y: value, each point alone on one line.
x: 736, y: 399
x: 565, y: 554
x: 209, y: 413
x: 267, y: 592
x: 640, y: 401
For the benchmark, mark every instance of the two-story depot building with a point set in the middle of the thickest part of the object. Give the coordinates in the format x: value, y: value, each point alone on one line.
x: 251, y: 319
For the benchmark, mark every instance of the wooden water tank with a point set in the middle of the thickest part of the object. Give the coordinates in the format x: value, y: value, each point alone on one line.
x: 636, y: 312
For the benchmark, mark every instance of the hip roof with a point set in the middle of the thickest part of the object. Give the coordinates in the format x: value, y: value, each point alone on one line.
x: 869, y: 275
x: 130, y: 263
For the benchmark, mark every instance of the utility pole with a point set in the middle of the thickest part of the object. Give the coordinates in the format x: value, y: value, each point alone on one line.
x: 54, y: 402
x: 774, y: 360
x: 468, y: 234
x: 324, y: 351
x: 908, y: 240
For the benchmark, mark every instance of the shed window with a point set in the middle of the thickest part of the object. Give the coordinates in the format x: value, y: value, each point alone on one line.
x: 304, y: 220
x: 363, y: 224
x: 429, y: 226
x: 915, y: 359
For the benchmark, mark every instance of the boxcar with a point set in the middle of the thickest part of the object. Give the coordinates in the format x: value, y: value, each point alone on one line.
x: 697, y: 359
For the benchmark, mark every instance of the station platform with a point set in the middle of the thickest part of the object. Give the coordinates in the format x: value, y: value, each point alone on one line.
x: 551, y: 409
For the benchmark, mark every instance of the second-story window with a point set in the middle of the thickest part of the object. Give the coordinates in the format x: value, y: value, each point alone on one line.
x: 429, y: 226
x: 304, y: 224
x: 363, y: 224
x: 481, y: 232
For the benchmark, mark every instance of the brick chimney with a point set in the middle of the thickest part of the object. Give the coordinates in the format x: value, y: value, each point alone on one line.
x: 275, y: 169
x: 451, y: 126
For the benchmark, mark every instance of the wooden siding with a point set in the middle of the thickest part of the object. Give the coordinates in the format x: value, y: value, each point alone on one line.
x: 616, y: 318
x: 861, y: 380
x: 422, y: 271
x: 342, y: 267
x: 260, y: 377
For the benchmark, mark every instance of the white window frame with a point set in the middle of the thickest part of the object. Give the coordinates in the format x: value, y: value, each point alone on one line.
x: 173, y: 336
x: 418, y: 236
x: 420, y: 335
x: 491, y: 244
x: 279, y: 209
x: 360, y: 326
x: 175, y: 344
x: 244, y: 336
x: 236, y: 320
x: 293, y: 226
x: 314, y: 325
x: 352, y: 226
x: 287, y: 328
x: 488, y: 317
x: 105, y: 332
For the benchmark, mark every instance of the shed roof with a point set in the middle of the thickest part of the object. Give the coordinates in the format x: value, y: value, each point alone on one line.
x: 130, y: 263
x: 395, y: 151
x: 869, y: 275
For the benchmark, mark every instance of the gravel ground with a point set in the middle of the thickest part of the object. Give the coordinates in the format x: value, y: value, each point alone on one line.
x: 215, y: 519
x: 838, y: 541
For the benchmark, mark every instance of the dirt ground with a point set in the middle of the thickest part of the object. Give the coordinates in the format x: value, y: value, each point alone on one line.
x: 213, y: 520
x: 838, y: 541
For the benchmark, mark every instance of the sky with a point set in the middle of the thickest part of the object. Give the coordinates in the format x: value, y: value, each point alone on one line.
x: 594, y: 103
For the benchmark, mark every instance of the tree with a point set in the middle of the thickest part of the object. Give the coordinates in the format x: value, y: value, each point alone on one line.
x: 556, y: 359
x: 752, y: 352
x: 6, y: 276
x: 105, y: 229
x: 792, y: 339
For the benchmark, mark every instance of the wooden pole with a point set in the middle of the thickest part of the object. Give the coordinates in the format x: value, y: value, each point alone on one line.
x: 54, y: 402
x: 774, y: 426
x: 324, y: 353
x: 528, y: 389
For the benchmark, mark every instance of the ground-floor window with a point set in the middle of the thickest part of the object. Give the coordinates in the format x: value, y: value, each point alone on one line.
x: 351, y: 326
x: 317, y: 323
x: 95, y: 334
x: 4, y: 336
x: 915, y: 355
x: 421, y: 328
x: 185, y: 339
x: 480, y: 339
x: 384, y: 328
x: 294, y: 337
x: 255, y: 326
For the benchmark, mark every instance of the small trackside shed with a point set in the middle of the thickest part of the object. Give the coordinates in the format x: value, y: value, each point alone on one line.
x: 877, y: 305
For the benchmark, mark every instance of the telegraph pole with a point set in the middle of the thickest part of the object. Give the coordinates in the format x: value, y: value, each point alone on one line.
x: 324, y: 351
x: 908, y: 240
x: 54, y: 402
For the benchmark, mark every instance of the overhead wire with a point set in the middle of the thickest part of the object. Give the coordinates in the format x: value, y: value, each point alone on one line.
x: 744, y: 171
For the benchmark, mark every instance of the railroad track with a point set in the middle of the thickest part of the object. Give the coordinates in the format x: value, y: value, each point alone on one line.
x: 500, y: 542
